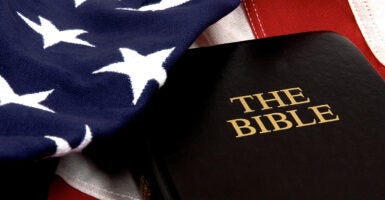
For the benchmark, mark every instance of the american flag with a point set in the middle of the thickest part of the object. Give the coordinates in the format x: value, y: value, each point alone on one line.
x: 74, y: 71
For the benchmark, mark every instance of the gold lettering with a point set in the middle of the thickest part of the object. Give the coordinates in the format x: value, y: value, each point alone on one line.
x: 238, y: 128
x: 321, y: 115
x: 278, y: 121
x: 282, y: 119
x: 242, y: 99
x: 260, y: 124
x: 298, y: 120
x: 291, y: 96
x: 265, y: 101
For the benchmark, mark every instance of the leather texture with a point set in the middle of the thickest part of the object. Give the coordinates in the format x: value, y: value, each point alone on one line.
x: 199, y: 155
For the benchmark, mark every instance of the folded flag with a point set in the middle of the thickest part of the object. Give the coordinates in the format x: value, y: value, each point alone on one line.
x: 72, y: 72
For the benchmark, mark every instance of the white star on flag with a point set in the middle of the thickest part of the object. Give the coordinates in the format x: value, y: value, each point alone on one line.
x: 7, y: 96
x: 62, y: 146
x: 140, y: 69
x: 79, y: 2
x: 51, y: 35
x: 162, y: 5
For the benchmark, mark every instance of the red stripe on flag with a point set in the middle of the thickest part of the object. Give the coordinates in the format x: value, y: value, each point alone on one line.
x: 60, y: 190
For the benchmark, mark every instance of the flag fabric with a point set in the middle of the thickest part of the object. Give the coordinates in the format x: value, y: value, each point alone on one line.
x: 360, y: 21
x: 232, y: 28
x: 75, y: 71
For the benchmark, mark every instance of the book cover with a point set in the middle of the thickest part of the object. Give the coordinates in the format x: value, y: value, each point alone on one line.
x: 294, y: 117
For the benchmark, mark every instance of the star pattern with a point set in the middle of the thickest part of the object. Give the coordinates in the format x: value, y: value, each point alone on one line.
x: 74, y: 45
x: 62, y: 146
x: 7, y: 96
x: 51, y: 35
x: 162, y: 5
x: 140, y: 69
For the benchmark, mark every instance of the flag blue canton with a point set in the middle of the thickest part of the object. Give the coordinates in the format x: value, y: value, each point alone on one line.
x: 74, y: 71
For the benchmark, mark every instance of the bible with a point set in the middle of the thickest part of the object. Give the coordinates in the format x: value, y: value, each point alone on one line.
x: 292, y: 117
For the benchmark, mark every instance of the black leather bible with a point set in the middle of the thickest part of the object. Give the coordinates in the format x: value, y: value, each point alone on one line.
x: 293, y: 117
